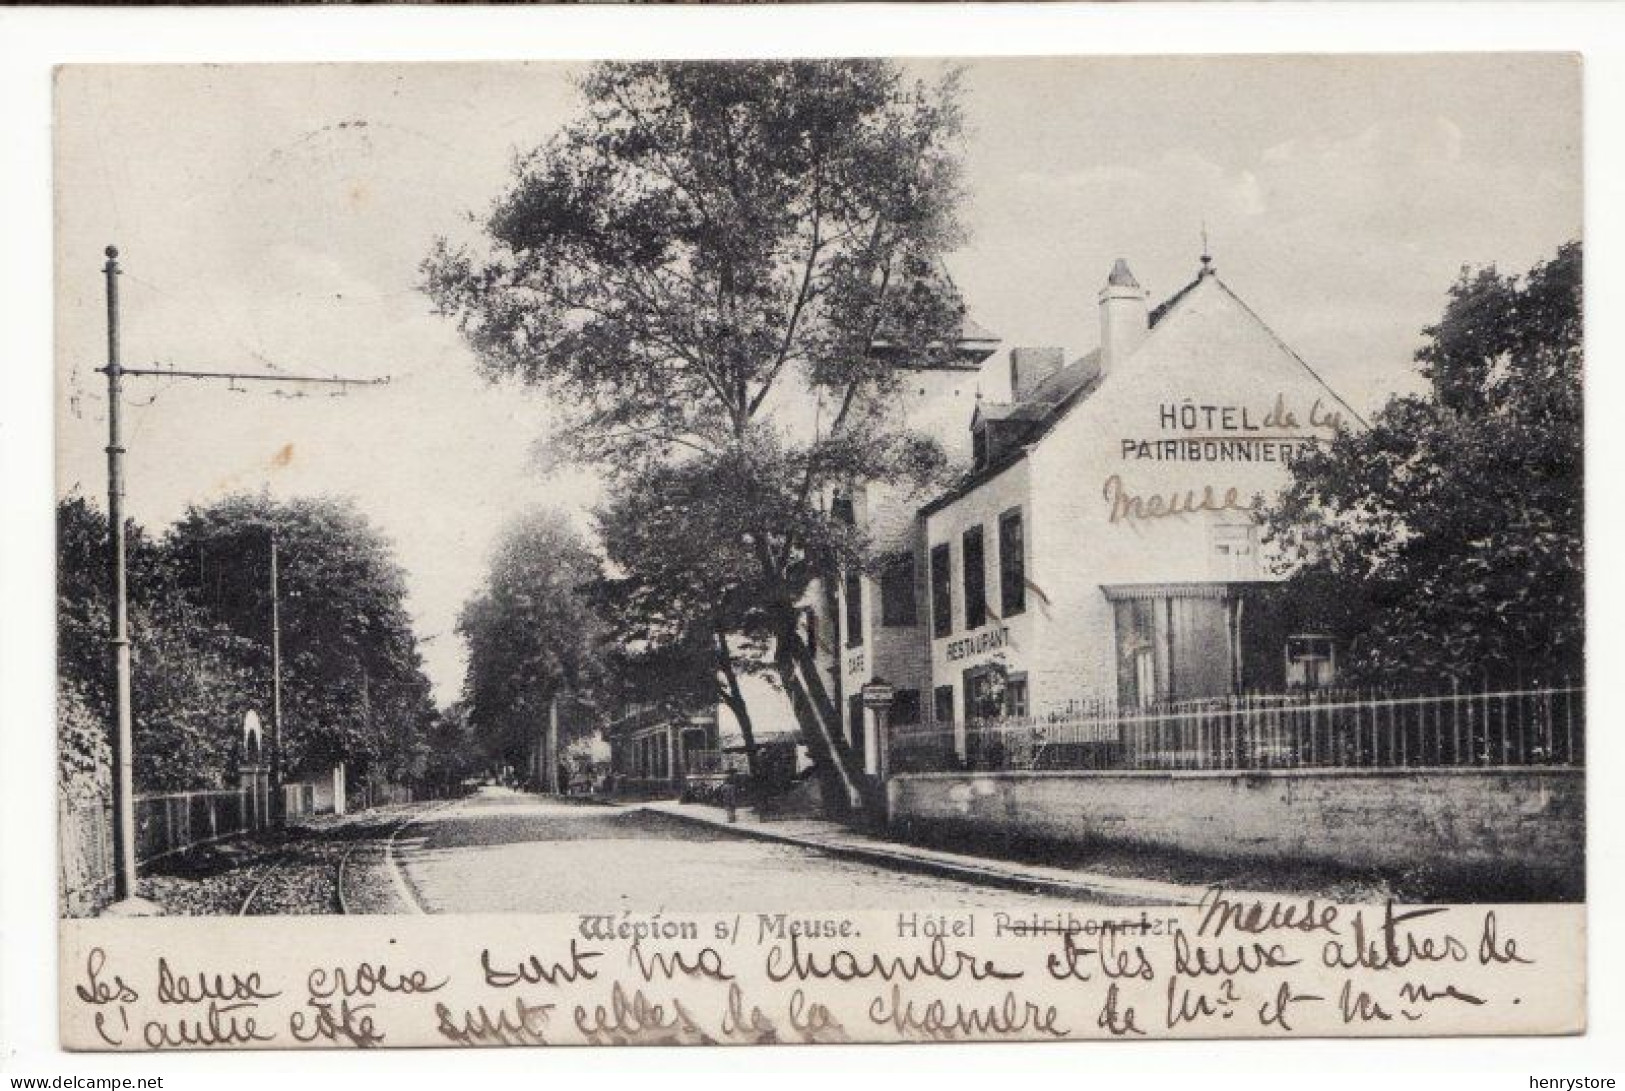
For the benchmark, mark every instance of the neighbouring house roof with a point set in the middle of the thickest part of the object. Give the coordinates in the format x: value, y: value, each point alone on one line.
x: 993, y: 412
x: 972, y: 332
x: 975, y: 342
x: 734, y: 742
x: 649, y: 716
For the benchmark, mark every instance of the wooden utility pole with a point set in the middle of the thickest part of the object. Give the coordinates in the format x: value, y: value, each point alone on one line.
x: 278, y: 803
x: 124, y: 856
x: 550, y: 773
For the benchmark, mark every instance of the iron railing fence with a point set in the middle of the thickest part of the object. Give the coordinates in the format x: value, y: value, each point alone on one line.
x: 1312, y: 729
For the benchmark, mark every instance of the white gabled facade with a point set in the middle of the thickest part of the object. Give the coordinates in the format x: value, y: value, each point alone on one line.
x: 1134, y: 492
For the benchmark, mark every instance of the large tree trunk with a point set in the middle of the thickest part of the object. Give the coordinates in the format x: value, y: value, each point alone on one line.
x: 837, y: 799
x: 843, y: 782
x: 734, y: 698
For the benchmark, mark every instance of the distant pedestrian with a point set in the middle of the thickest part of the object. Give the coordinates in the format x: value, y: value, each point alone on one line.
x: 730, y: 795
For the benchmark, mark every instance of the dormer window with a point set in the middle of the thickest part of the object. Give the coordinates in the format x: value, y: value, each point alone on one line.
x: 841, y: 508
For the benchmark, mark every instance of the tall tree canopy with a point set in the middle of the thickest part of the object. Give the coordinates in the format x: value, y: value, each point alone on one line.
x: 686, y: 625
x: 722, y: 270
x: 1447, y: 540
x: 533, y: 633
x: 353, y: 684
x: 192, y: 678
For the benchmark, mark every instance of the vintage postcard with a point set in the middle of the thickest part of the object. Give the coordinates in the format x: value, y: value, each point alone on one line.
x: 845, y: 550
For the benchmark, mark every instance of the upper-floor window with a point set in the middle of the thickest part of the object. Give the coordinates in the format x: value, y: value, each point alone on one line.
x: 1235, y: 551
x: 1012, y: 564
x: 975, y: 562
x: 897, y: 590
x: 854, y: 609
x: 942, y: 591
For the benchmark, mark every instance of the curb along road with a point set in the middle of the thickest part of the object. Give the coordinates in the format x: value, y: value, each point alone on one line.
x: 1102, y: 890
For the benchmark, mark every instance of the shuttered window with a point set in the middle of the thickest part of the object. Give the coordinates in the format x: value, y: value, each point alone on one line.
x: 897, y: 590
x: 942, y: 591
x: 854, y: 609
x: 1012, y: 564
x: 975, y: 562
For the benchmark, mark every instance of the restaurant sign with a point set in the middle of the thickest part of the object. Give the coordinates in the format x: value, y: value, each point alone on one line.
x: 983, y: 640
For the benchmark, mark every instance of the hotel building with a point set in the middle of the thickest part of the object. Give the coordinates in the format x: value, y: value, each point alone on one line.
x: 1103, y: 547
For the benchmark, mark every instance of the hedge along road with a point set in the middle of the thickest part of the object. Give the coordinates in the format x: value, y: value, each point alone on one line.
x: 505, y: 852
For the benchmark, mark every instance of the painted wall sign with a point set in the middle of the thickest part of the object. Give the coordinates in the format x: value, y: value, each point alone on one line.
x: 1210, y: 449
x: 983, y: 640
x: 1213, y: 433
x: 1231, y: 433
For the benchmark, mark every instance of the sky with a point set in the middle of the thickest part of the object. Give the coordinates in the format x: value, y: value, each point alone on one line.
x: 272, y: 218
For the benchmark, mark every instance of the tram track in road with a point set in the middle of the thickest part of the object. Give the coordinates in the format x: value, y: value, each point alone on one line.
x: 331, y: 873
x: 277, y: 891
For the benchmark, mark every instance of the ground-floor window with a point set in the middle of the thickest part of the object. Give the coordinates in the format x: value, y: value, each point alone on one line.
x: 905, y: 706
x: 978, y: 686
x: 943, y: 704
x: 1175, y: 646
x: 1144, y: 693
x: 1015, y: 696
x: 1311, y: 660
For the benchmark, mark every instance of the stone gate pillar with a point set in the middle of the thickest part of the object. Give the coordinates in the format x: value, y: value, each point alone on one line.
x: 253, y: 774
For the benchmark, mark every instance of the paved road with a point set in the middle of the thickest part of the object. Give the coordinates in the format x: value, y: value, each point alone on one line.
x: 505, y: 852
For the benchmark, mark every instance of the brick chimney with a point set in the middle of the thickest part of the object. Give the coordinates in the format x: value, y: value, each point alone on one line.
x: 1124, y: 317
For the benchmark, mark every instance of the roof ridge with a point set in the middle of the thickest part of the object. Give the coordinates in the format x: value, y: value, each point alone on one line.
x: 1288, y: 349
x: 1064, y: 404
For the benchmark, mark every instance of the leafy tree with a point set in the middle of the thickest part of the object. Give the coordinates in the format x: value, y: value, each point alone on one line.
x: 686, y: 629
x: 191, y: 679
x: 721, y: 269
x: 353, y: 684
x: 451, y: 752
x: 1447, y: 540
x: 84, y: 764
x: 533, y: 634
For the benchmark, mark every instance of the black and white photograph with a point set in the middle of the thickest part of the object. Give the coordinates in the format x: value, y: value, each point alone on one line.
x: 967, y: 490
